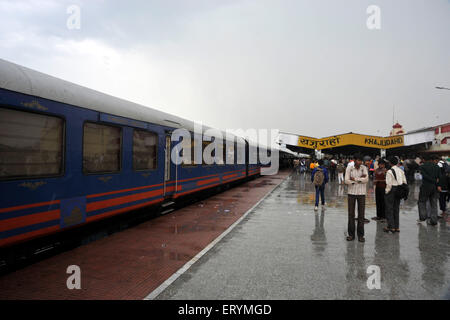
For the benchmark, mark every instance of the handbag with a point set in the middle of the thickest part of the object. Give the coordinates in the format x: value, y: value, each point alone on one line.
x: 402, y: 190
x: 417, y: 176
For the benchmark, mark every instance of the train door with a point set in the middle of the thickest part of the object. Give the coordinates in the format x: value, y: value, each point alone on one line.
x: 167, y: 165
x: 247, y: 158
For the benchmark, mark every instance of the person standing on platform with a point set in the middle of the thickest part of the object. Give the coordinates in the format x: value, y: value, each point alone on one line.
x: 380, y: 189
x: 340, y: 170
x: 411, y: 167
x: 333, y: 165
x: 429, y: 191
x: 326, y: 163
x: 371, y: 168
x: 308, y: 164
x: 296, y: 164
x: 302, y: 166
x: 394, y: 178
x: 447, y: 170
x: 356, y: 177
x: 319, y: 177
x: 444, y: 184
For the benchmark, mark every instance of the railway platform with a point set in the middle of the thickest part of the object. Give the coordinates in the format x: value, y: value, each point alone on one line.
x: 278, y: 247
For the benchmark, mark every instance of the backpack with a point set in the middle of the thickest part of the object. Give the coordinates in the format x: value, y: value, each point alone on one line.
x: 446, y: 168
x: 319, y: 177
x: 402, y: 190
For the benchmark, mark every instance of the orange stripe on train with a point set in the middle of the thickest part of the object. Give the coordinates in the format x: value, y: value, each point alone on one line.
x: 195, y: 190
x: 29, y: 235
x: 27, y: 206
x: 121, y: 200
x: 230, y: 176
x: 172, y: 188
x: 122, y: 190
x: 203, y: 182
x: 117, y: 211
x: 231, y: 180
x: 35, y: 218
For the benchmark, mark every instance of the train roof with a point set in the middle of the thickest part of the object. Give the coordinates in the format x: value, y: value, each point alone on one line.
x: 17, y: 78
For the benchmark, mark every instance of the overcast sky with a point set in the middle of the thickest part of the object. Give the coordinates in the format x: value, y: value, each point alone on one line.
x: 310, y: 67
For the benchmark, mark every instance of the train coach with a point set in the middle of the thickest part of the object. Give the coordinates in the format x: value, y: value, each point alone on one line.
x: 70, y: 156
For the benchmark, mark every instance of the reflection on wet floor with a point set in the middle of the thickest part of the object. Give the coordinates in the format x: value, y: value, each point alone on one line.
x: 286, y: 250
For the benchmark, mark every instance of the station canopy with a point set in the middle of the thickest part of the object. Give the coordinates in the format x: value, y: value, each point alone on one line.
x: 351, y: 143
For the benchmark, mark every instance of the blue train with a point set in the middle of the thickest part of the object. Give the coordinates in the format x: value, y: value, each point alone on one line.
x: 70, y: 156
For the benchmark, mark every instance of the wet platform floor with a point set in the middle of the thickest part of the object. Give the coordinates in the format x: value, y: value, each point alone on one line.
x: 285, y: 250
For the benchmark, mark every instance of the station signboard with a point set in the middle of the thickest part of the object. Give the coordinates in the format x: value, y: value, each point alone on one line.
x: 351, y: 139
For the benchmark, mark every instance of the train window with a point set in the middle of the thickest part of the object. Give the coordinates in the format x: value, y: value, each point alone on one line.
x: 204, y: 145
x: 101, y: 148
x: 229, y: 152
x: 31, y: 144
x: 224, y: 151
x: 220, y: 160
x: 210, y: 154
x: 241, y: 155
x: 191, y: 161
x: 217, y: 146
x: 144, y: 150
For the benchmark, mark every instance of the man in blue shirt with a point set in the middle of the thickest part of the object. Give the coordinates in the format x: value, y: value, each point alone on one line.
x: 319, y: 177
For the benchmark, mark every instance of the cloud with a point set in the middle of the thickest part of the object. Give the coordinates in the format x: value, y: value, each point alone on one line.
x: 300, y: 66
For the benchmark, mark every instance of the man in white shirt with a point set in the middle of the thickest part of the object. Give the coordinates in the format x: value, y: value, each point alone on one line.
x: 392, y: 202
x: 356, y: 177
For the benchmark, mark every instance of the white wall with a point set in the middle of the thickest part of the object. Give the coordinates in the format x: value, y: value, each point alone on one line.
x: 419, y: 137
